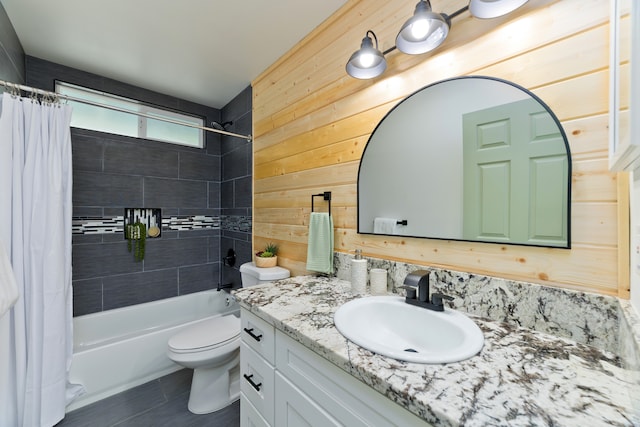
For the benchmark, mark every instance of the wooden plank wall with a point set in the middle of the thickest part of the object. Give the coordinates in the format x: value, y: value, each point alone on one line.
x: 312, y: 121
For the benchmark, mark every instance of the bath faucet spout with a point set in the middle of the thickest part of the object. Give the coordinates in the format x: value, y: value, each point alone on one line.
x: 417, y: 286
x: 225, y: 286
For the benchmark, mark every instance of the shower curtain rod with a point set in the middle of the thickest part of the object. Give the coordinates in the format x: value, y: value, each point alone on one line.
x: 54, y: 95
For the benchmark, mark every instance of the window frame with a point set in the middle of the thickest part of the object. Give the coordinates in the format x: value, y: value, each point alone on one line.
x: 140, y: 107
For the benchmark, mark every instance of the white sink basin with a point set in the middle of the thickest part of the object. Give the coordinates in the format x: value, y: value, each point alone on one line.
x: 387, y: 325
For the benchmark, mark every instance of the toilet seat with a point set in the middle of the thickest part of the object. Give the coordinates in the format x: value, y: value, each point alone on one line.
x: 206, y: 335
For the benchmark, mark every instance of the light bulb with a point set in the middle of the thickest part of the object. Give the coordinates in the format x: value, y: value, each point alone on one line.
x: 420, y: 29
x: 366, y: 60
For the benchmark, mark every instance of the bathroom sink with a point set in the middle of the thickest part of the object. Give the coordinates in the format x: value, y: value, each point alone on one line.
x: 388, y: 326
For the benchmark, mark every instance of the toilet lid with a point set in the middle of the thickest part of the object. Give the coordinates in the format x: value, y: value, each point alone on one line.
x: 207, y: 333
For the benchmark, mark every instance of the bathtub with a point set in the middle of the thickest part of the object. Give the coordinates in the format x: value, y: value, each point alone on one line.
x: 119, y: 349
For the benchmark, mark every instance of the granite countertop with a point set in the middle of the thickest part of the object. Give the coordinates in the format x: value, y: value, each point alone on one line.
x: 521, y: 377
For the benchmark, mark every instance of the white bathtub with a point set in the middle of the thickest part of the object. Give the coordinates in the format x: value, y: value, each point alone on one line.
x: 118, y: 349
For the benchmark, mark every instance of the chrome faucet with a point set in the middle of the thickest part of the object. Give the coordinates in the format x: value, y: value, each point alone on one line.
x: 417, y: 286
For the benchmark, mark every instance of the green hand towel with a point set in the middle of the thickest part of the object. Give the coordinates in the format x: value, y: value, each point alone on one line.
x: 320, y: 245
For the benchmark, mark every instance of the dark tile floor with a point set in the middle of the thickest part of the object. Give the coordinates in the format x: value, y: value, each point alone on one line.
x: 158, y: 403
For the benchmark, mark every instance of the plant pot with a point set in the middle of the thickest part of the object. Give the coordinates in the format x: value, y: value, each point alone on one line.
x: 266, y: 262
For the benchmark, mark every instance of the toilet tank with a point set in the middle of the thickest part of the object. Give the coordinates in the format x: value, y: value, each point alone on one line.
x: 252, y: 275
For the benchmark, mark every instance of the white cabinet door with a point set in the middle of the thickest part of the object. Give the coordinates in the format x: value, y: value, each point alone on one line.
x: 295, y: 409
x: 624, y: 86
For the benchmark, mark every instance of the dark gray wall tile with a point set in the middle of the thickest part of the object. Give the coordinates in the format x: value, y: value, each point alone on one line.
x: 99, y: 260
x: 243, y: 251
x: 238, y: 106
x: 198, y: 278
x: 200, y: 167
x: 213, y: 142
x: 226, y: 194
x: 237, y: 235
x: 214, y: 195
x: 231, y: 275
x: 235, y: 164
x: 87, y: 152
x: 175, y: 253
x: 12, y: 68
x: 216, y: 250
x: 242, y: 192
x: 160, y: 192
x: 97, y: 189
x: 200, y: 232
x: 87, y: 296
x: 43, y: 74
x: 132, y: 159
x: 130, y: 289
x: 78, y: 239
x: 198, y: 211
x: 87, y: 211
x: 236, y: 211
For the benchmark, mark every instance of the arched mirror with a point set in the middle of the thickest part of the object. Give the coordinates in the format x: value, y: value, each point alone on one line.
x: 470, y: 158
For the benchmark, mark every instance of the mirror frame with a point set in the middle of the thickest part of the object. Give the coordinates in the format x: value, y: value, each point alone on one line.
x: 516, y: 86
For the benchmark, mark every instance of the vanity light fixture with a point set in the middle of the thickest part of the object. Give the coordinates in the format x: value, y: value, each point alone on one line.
x: 423, y: 32
x: 487, y: 9
x: 367, y: 62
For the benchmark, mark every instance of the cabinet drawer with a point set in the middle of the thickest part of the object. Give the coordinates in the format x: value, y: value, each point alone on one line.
x: 256, y: 381
x: 259, y: 335
x: 249, y: 415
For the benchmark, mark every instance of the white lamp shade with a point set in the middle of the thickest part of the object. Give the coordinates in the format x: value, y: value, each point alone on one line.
x: 367, y: 62
x: 424, y: 31
x: 486, y: 9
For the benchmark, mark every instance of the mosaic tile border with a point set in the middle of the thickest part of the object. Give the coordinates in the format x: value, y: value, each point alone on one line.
x: 237, y: 223
x: 111, y: 225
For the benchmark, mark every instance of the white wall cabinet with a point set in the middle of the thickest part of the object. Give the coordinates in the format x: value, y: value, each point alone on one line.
x: 297, y: 387
x: 624, y: 86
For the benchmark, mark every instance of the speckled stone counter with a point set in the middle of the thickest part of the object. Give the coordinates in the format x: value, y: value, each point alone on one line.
x: 522, y: 377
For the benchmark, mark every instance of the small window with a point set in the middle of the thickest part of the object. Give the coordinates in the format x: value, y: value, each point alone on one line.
x: 88, y: 116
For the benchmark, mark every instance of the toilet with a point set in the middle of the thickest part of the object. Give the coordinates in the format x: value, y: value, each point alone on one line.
x: 212, y: 349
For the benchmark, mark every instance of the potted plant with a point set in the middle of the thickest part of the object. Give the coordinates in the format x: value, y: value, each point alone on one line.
x: 135, y: 234
x: 268, y: 256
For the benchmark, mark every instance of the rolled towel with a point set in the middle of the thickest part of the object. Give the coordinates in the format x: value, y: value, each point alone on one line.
x: 385, y: 225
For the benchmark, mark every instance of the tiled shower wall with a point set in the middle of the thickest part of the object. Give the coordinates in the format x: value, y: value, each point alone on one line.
x: 112, y: 172
x: 236, y: 186
x: 11, y: 52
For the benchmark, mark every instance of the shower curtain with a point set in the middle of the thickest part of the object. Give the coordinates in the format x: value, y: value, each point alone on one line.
x: 35, y: 228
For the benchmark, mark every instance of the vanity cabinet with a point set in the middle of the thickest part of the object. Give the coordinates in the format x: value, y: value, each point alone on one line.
x: 257, y: 371
x: 299, y: 387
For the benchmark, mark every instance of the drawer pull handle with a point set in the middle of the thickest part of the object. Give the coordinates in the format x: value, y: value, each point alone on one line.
x: 254, y: 336
x: 254, y: 385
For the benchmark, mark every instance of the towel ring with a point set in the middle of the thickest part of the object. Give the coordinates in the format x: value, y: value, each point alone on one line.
x: 326, y: 196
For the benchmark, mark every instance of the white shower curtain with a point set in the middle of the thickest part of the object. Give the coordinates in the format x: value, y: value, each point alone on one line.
x: 35, y: 228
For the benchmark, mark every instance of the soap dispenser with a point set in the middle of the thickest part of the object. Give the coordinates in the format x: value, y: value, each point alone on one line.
x: 358, y: 273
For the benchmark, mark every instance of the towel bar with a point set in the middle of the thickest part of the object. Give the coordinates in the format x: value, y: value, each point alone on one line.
x: 326, y: 196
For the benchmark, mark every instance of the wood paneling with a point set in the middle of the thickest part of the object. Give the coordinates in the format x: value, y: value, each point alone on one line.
x: 312, y: 122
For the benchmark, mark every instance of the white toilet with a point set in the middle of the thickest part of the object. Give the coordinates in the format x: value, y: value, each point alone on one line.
x: 212, y: 349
